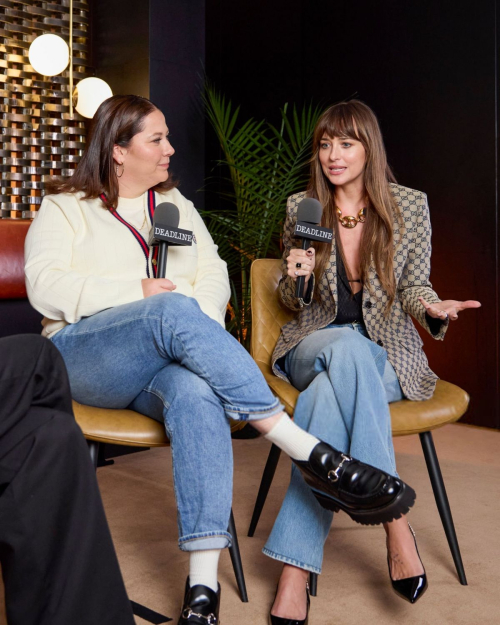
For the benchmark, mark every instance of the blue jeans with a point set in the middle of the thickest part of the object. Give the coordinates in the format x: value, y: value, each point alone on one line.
x: 347, y: 384
x: 163, y: 357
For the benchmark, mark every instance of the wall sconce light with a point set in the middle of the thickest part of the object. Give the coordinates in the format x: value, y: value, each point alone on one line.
x: 89, y: 94
x: 49, y: 55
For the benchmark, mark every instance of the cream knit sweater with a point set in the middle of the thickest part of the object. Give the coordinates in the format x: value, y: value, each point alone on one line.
x: 79, y: 260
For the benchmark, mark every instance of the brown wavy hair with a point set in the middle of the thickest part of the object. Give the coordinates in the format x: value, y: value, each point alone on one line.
x: 117, y: 120
x: 355, y: 120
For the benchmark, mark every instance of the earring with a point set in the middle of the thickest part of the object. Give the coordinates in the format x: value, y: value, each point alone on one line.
x: 116, y: 170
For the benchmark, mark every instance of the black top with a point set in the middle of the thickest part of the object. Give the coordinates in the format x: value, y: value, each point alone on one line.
x: 348, y: 305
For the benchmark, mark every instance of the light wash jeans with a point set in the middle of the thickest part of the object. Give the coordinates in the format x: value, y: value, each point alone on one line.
x: 163, y: 357
x: 347, y: 384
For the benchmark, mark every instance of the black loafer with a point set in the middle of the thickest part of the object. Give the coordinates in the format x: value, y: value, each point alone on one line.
x: 367, y: 494
x: 201, y: 606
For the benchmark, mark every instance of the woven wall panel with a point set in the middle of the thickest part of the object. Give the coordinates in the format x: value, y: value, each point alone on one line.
x: 39, y: 139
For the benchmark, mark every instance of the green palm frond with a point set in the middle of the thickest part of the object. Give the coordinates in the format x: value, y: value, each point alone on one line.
x: 265, y: 164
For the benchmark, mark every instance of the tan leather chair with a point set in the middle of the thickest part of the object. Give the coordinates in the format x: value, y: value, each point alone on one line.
x: 447, y: 405
x: 126, y: 427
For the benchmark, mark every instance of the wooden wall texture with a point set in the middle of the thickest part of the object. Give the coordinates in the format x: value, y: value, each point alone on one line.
x: 39, y: 139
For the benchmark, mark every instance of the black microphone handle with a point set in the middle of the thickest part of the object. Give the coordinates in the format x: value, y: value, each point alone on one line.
x: 162, y: 259
x: 299, y: 284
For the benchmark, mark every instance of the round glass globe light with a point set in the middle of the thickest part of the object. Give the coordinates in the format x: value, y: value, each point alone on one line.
x: 90, y: 94
x: 49, y: 55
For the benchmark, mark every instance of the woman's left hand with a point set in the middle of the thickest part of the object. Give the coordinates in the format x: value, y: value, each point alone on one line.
x: 449, y: 308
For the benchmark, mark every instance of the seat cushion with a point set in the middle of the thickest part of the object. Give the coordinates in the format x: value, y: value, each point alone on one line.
x: 447, y: 405
x: 125, y: 427
x: 121, y: 427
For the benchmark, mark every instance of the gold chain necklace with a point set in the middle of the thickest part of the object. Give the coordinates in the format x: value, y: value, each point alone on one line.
x: 349, y: 221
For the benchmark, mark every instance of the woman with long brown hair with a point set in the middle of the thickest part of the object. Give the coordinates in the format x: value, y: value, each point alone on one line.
x: 158, y: 345
x: 352, y: 347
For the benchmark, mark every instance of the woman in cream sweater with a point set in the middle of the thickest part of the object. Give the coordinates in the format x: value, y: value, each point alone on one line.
x: 158, y: 345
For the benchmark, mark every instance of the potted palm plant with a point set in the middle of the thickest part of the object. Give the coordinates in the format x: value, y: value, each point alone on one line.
x: 261, y: 166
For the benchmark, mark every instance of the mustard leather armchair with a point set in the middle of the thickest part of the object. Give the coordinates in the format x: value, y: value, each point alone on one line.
x: 447, y: 405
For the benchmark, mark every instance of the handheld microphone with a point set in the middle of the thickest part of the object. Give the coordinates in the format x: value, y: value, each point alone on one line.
x: 309, y: 213
x: 166, y: 232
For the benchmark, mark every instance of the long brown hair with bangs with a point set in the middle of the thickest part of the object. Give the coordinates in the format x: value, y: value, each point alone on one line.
x: 117, y: 120
x: 355, y: 120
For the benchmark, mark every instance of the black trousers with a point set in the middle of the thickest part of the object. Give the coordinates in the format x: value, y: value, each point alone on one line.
x: 58, y: 561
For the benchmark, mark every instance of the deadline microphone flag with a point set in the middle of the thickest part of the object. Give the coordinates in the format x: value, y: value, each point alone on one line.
x: 166, y: 232
x: 309, y: 213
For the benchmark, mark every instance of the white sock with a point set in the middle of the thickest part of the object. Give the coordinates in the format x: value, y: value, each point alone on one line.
x: 294, y: 441
x: 203, y: 568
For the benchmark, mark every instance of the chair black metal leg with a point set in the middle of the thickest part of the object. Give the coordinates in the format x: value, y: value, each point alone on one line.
x: 442, y: 503
x: 313, y: 584
x: 265, y: 484
x: 234, y: 552
x: 94, y: 452
x: 101, y: 457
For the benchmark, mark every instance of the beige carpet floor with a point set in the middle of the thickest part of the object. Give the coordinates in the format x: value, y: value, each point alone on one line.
x: 354, y: 588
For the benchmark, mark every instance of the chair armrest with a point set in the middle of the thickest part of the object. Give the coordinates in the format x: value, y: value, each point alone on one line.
x: 284, y: 391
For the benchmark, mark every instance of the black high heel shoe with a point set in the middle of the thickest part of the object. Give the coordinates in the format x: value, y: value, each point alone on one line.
x: 410, y: 588
x: 277, y: 620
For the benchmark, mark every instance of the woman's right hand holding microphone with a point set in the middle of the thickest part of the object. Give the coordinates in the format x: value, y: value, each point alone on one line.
x: 301, y: 263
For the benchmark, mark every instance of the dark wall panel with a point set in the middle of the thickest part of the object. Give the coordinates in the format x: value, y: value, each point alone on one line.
x: 177, y: 58
x: 157, y: 49
x: 255, y: 52
x: 429, y: 71
x: 120, y: 45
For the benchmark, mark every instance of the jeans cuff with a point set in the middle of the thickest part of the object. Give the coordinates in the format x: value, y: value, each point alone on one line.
x: 205, y: 540
x: 246, y: 414
x: 298, y: 563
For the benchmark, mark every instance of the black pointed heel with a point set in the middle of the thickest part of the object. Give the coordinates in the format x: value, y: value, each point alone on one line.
x: 410, y: 588
x: 277, y: 620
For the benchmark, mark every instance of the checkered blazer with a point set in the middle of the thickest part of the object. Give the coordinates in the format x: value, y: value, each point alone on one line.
x: 396, y: 332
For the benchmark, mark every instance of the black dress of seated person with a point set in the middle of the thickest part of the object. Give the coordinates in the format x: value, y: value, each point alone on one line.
x: 58, y: 561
